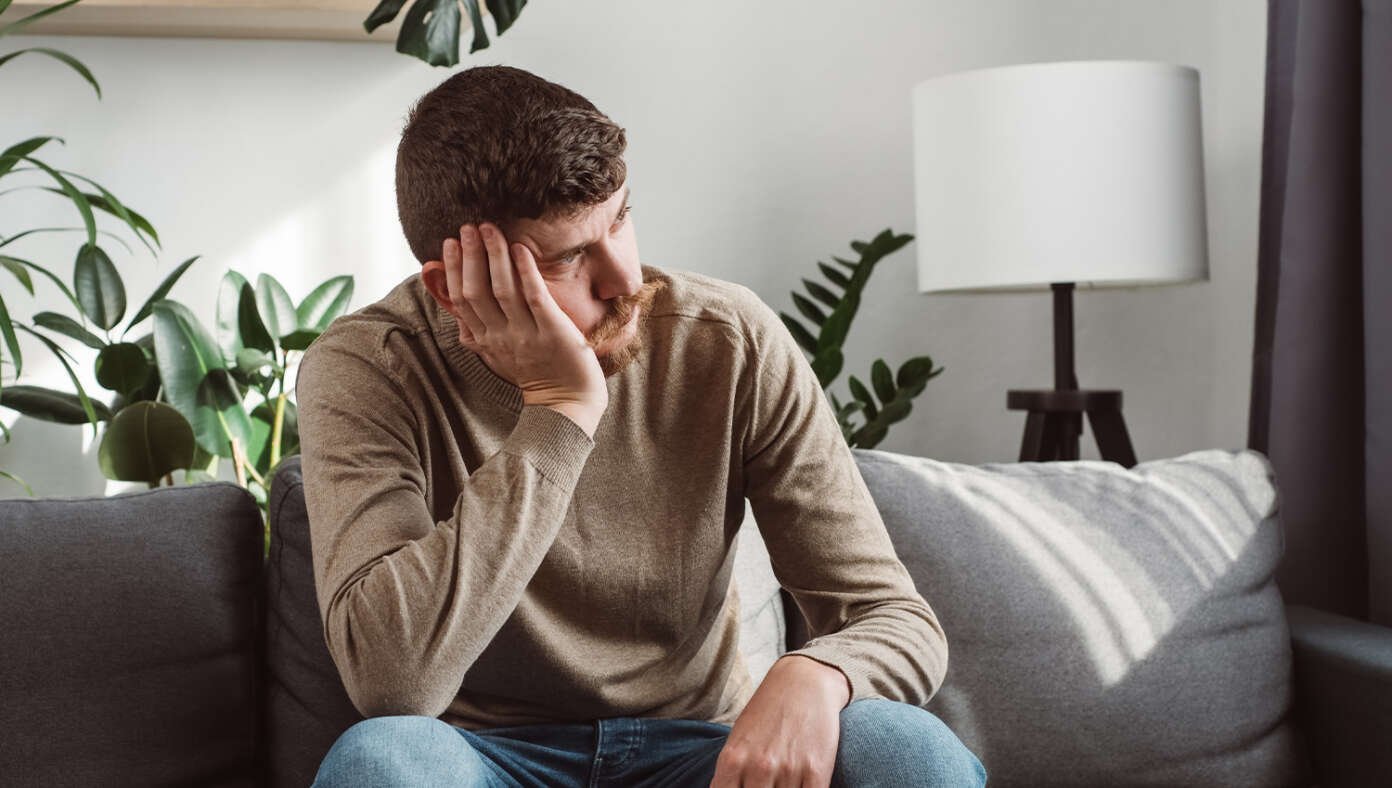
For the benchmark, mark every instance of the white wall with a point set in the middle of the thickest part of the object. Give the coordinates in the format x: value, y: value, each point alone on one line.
x: 762, y: 137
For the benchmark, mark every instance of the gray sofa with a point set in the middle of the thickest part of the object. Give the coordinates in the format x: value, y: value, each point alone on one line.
x: 147, y: 642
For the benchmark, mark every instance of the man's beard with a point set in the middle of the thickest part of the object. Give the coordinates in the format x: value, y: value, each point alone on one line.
x: 613, y: 325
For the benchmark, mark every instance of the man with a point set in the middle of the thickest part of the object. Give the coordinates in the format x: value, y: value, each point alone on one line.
x: 524, y: 472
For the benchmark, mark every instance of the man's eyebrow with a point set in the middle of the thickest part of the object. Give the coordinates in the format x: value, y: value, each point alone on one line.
x: 567, y: 253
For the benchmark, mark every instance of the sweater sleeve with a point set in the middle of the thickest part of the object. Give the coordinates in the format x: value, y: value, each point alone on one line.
x: 408, y: 602
x: 827, y: 542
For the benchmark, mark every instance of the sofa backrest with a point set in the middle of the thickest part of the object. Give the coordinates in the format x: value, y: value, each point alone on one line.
x: 131, y: 645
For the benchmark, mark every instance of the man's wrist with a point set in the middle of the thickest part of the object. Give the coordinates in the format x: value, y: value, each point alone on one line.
x: 838, y: 683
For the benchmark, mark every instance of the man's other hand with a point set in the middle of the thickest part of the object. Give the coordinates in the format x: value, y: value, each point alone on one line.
x: 788, y: 733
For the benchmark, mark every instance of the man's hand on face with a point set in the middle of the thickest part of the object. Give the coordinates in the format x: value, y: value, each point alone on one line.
x: 507, y: 315
x: 788, y: 733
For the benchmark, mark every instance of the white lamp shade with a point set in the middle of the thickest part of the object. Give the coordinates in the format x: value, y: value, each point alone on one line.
x: 1086, y: 172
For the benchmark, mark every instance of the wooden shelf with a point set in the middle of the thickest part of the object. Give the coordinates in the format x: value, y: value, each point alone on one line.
x: 335, y: 20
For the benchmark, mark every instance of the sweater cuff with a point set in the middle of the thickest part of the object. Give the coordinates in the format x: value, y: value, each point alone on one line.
x: 552, y: 442
x: 828, y: 654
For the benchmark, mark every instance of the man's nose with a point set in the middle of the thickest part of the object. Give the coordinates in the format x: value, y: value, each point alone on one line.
x: 614, y: 277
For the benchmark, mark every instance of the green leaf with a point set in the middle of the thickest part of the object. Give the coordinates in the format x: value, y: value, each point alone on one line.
x: 870, y: 435
x: 88, y: 407
x: 827, y: 364
x: 107, y: 201
x: 16, y: 479
x: 145, y: 441
x: 196, y: 380
x: 476, y: 22
x: 299, y: 340
x: 505, y: 12
x: 122, y: 367
x: 11, y: 340
x: 834, y: 331
x: 915, y: 370
x: 16, y: 26
x: 821, y: 293
x: 160, y: 292
x: 52, y: 277
x: 253, y: 363
x: 252, y: 330
x: 898, y: 410
x: 834, y: 275
x: 809, y: 310
x: 847, y: 263
x: 275, y: 306
x: 84, y: 207
x: 385, y: 12
x: 63, y: 56
x: 862, y: 394
x: 324, y: 303
x: 48, y: 404
x: 804, y: 337
x: 99, y: 287
x: 66, y: 326
x: 882, y: 380
x: 434, y: 40
x: 19, y: 150
x: 19, y: 273
x: 229, y: 336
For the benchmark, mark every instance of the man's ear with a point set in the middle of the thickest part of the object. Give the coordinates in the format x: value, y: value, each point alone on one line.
x: 433, y: 276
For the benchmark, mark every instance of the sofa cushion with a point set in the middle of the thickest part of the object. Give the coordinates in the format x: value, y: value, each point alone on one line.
x: 307, y: 706
x: 131, y: 638
x: 1106, y: 626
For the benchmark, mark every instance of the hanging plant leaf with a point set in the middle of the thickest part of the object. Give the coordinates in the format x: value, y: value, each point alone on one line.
x: 385, y: 12
x: 99, y: 287
x: 430, y: 31
x: 145, y: 441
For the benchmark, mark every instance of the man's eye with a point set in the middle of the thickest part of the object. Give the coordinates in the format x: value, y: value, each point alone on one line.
x: 622, y: 216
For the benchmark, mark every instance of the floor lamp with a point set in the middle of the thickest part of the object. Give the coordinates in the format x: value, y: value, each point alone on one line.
x: 1056, y: 176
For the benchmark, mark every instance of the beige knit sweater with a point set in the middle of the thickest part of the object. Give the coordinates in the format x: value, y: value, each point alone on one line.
x: 490, y: 564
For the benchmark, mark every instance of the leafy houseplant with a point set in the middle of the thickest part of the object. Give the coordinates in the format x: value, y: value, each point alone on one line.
x: 179, y: 391
x: 896, y: 391
x: 430, y: 29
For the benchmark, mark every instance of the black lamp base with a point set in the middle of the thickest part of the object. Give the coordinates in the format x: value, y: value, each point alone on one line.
x: 1056, y: 415
x: 1056, y: 420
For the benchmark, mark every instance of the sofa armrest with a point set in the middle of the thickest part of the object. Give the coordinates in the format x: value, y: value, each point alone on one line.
x: 1343, y: 695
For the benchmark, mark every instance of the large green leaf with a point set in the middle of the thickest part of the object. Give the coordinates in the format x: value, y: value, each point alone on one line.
x: 430, y: 31
x: 11, y: 340
x: 122, y: 367
x: 275, y: 306
x: 385, y: 12
x: 99, y: 286
x: 249, y: 323
x: 229, y: 336
x: 79, y: 200
x: 62, y: 355
x: 325, y: 303
x: 145, y: 441
x: 196, y: 379
x: 48, y: 404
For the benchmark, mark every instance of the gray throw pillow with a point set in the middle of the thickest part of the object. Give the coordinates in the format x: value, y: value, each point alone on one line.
x: 1105, y: 625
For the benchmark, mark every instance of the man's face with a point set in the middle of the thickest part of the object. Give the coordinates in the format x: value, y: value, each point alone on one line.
x: 590, y: 267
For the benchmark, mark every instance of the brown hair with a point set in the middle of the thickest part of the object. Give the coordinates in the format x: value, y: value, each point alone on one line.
x: 497, y: 144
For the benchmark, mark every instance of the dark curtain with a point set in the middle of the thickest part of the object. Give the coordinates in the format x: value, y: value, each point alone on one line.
x: 1321, y: 405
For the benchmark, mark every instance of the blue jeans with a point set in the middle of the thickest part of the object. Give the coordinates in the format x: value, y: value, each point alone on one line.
x: 883, y: 743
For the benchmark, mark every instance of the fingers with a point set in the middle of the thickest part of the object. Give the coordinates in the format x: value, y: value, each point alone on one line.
x: 505, y: 287
x: 475, y: 290
x: 454, y: 284
x: 535, y: 295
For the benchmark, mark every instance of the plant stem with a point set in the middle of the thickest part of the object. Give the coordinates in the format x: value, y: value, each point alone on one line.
x: 276, y: 427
